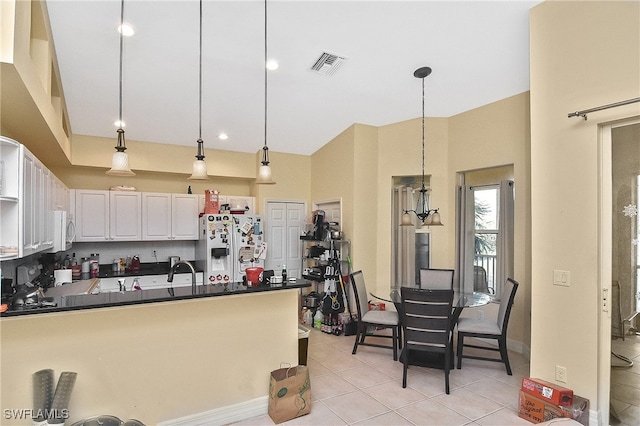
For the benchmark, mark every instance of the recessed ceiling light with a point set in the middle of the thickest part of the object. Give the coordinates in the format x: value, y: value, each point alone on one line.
x: 223, y: 136
x: 272, y: 64
x: 119, y: 123
x: 126, y: 30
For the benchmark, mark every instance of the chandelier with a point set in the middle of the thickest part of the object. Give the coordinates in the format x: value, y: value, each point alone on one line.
x: 428, y: 216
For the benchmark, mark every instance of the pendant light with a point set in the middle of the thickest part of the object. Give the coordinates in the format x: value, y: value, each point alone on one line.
x: 428, y: 217
x: 264, y: 173
x: 120, y: 160
x: 199, y: 166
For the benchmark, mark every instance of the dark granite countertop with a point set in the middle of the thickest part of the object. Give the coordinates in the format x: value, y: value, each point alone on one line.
x: 103, y: 300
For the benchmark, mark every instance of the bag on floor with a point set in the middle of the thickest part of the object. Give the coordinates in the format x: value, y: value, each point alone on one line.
x: 289, y: 393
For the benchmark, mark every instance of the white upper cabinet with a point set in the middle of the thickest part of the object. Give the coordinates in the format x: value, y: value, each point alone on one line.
x: 37, y: 220
x: 184, y: 217
x: 156, y: 216
x: 107, y: 215
x: 92, y: 215
x: 169, y: 216
x: 11, y: 200
x: 125, y: 215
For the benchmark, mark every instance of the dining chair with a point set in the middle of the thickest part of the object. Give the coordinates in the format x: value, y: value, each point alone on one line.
x: 436, y: 279
x: 426, y: 326
x: 371, y: 321
x: 486, y: 329
x: 480, y: 279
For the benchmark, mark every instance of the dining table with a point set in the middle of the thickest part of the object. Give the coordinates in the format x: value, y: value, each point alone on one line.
x: 461, y: 299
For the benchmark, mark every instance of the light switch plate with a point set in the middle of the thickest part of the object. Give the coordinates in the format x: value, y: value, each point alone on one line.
x: 562, y: 278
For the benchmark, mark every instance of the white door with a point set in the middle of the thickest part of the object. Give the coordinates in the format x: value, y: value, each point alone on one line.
x: 284, y: 225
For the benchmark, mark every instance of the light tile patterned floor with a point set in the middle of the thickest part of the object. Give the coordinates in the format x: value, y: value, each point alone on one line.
x: 366, y: 389
x: 625, y: 382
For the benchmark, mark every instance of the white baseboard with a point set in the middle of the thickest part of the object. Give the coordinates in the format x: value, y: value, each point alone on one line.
x: 223, y: 415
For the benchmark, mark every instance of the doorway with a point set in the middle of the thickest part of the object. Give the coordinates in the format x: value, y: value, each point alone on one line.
x: 624, y: 389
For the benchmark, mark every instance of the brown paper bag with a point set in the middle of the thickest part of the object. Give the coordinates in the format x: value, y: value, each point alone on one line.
x: 289, y: 393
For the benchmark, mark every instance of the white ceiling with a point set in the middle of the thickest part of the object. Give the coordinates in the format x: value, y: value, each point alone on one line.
x: 479, y: 52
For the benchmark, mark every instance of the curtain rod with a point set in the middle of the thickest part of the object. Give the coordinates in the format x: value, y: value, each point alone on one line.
x: 584, y: 113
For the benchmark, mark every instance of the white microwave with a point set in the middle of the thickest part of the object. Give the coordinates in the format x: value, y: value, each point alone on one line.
x: 64, y: 230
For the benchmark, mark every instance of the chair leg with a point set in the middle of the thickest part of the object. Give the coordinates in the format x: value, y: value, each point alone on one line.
x: 459, y: 351
x: 395, y: 343
x: 447, y: 367
x: 355, y: 345
x: 405, y: 365
x: 502, y: 343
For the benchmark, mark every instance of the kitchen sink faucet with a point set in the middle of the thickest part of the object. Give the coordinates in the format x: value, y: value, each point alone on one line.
x: 193, y: 274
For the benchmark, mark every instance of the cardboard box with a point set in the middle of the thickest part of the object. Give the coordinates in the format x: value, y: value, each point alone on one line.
x: 537, y: 410
x: 547, y: 391
x: 211, y: 201
x: 377, y: 306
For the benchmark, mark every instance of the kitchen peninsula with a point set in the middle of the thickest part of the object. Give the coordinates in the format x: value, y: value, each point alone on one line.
x: 201, y: 356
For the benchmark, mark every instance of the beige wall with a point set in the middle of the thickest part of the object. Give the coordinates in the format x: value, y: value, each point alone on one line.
x: 491, y: 136
x: 154, y: 362
x: 583, y: 54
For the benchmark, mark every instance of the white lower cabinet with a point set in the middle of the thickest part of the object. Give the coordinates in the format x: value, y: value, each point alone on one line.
x: 149, y: 282
x: 169, y: 216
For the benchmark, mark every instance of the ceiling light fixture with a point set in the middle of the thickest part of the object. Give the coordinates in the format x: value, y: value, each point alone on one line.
x: 264, y: 173
x: 120, y: 160
x: 199, y: 165
x: 428, y: 217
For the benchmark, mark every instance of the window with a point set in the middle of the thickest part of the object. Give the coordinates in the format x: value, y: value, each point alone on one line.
x: 486, y: 204
x: 484, y: 237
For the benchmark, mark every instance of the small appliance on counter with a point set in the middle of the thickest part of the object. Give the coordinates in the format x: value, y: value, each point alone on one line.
x: 135, y: 264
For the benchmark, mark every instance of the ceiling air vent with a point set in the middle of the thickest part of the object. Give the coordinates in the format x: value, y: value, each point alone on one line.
x: 328, y: 63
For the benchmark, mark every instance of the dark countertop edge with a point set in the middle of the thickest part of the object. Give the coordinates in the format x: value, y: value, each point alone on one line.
x: 56, y: 309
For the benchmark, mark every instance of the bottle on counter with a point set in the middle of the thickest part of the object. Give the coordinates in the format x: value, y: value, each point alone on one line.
x: 318, y: 319
x: 284, y: 274
x: 85, y: 268
x: 76, y: 268
x: 95, y: 264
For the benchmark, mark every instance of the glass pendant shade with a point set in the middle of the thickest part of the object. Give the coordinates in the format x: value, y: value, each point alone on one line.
x: 120, y: 159
x: 120, y: 165
x: 406, y: 219
x: 199, y: 170
x: 264, y: 175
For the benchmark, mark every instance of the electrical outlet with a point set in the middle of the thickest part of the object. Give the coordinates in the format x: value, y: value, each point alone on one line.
x: 561, y: 374
x: 481, y: 315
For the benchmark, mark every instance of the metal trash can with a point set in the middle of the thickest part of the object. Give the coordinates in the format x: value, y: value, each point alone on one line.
x: 303, y: 344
